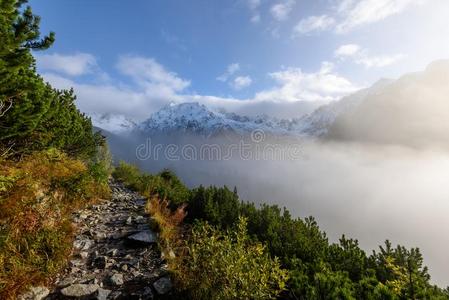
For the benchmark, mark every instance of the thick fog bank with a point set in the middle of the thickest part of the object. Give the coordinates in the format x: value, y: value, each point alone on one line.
x: 368, y: 192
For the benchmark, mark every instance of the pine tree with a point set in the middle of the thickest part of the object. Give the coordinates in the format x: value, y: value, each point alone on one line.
x: 33, y: 115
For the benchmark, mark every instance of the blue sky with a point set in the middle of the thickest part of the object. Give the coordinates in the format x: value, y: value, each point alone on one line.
x: 133, y: 59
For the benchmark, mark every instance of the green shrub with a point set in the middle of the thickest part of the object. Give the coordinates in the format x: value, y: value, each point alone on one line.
x: 100, y: 166
x: 229, y: 266
x: 165, y: 185
x: 219, y: 206
x: 128, y: 174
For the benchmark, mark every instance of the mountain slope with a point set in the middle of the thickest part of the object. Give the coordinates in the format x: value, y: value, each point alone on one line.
x: 318, y: 122
x: 411, y: 111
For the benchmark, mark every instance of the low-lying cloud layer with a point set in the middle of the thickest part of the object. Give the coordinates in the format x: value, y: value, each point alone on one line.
x: 368, y: 192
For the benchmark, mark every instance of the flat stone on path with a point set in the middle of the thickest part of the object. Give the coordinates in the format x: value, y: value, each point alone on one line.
x: 102, y: 294
x: 146, y: 237
x: 116, y: 279
x: 80, y: 290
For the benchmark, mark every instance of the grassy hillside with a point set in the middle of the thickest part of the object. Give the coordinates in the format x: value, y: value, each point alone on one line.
x: 37, y: 196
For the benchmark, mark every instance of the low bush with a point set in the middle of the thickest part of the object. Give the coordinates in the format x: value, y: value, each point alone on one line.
x: 165, y: 185
x: 228, y: 265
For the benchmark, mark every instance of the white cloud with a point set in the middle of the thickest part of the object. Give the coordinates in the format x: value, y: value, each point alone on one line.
x: 71, y: 65
x: 238, y: 82
x: 153, y: 86
x: 230, y: 70
x: 255, y: 18
x: 241, y: 82
x: 254, y: 9
x: 362, y: 57
x: 357, y: 13
x: 313, y: 24
x: 295, y: 85
x: 379, y: 61
x: 347, y: 50
x: 108, y: 98
x: 280, y: 11
x: 147, y: 72
x: 350, y: 14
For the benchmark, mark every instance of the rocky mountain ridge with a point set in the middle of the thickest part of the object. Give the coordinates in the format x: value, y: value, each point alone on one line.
x: 197, y: 119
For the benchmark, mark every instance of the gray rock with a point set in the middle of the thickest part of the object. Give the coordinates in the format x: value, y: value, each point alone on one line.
x: 146, y: 237
x: 147, y: 294
x: 65, y: 282
x: 141, y: 201
x: 115, y: 295
x: 129, y: 221
x: 102, y: 294
x: 116, y: 279
x: 35, y: 293
x: 88, y: 279
x: 83, y: 245
x: 140, y: 220
x: 80, y: 290
x: 76, y: 263
x: 163, y: 285
x: 100, y: 235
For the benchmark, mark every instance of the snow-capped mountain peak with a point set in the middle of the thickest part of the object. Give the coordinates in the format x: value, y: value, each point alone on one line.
x: 112, y: 122
x: 198, y: 119
x: 192, y: 117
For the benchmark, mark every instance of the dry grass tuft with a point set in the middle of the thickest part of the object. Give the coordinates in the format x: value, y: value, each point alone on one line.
x: 167, y: 222
x: 37, y: 196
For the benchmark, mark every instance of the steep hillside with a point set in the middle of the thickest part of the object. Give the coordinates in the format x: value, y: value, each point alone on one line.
x: 411, y: 111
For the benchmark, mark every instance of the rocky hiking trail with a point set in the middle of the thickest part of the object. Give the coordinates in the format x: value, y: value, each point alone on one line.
x: 115, y: 254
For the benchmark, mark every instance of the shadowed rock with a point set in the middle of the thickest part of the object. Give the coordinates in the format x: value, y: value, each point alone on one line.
x: 163, y: 285
x: 146, y: 237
